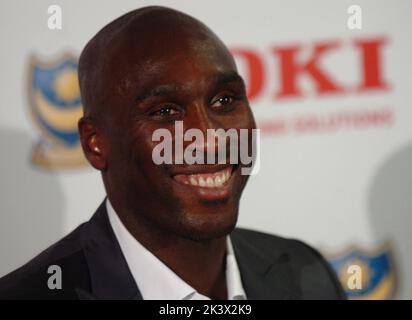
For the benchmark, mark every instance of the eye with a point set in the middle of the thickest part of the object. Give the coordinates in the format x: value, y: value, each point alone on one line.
x: 223, y: 101
x: 166, y: 111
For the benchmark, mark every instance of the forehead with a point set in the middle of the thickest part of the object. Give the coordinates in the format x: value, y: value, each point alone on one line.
x: 148, y: 48
x: 183, y: 63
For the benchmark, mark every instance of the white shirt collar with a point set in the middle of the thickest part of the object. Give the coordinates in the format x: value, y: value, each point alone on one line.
x: 155, y: 280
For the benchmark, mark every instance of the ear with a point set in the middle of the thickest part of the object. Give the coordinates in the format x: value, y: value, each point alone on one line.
x: 92, y: 143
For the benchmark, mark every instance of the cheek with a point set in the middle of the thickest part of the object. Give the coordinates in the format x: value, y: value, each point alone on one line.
x: 145, y: 175
x: 249, y: 118
x: 141, y: 148
x: 141, y: 155
x: 242, y: 118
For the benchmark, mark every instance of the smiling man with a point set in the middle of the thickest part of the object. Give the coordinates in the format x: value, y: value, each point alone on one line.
x: 166, y: 231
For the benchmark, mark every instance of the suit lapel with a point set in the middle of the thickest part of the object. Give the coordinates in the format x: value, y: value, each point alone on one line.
x: 110, y: 277
x: 264, y: 277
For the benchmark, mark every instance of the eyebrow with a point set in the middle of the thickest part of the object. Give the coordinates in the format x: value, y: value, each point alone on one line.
x: 228, y: 77
x: 159, y: 91
x: 170, y: 89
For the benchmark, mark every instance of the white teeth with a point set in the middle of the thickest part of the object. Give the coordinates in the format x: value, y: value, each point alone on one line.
x: 206, y: 180
x: 202, y: 182
x: 209, y: 180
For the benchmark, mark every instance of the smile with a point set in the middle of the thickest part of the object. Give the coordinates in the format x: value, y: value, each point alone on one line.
x: 215, y: 179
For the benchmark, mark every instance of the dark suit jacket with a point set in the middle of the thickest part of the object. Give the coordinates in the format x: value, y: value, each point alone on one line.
x: 93, y: 267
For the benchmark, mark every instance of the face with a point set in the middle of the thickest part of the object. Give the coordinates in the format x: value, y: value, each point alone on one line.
x: 194, y: 81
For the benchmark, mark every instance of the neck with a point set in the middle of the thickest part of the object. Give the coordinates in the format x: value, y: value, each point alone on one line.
x: 201, y: 264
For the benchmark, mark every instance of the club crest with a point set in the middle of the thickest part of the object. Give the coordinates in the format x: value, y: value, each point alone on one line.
x: 367, y: 274
x: 55, y: 105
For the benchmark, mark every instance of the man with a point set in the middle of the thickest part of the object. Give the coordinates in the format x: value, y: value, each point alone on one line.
x: 166, y: 231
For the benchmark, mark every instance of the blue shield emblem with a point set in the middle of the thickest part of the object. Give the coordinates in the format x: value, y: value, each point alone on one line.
x: 364, y: 274
x: 55, y: 105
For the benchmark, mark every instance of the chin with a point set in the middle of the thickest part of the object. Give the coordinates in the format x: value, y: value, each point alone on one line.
x: 206, y: 228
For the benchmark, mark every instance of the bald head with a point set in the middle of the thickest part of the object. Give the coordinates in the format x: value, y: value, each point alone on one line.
x: 138, y: 44
x: 145, y: 72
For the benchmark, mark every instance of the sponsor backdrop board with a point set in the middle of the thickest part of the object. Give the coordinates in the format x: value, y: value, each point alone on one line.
x: 333, y: 103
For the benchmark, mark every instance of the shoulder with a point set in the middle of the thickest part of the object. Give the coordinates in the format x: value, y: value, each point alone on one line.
x: 31, y: 280
x: 311, y: 271
x: 272, y: 245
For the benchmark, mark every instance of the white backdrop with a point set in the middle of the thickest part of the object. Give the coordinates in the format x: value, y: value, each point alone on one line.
x: 332, y: 184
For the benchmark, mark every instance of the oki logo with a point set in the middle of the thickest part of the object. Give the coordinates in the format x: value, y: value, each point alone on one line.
x: 291, y: 67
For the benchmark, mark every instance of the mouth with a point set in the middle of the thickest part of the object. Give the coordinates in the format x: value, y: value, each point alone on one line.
x: 209, y: 183
x: 215, y: 179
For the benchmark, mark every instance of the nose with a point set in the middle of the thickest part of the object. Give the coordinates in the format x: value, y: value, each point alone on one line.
x: 198, y: 117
